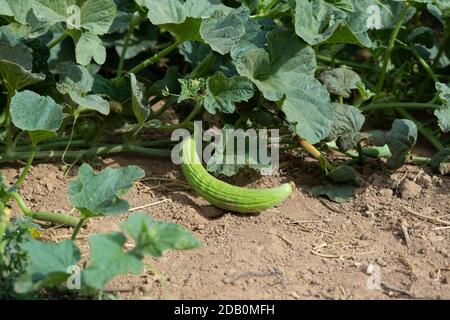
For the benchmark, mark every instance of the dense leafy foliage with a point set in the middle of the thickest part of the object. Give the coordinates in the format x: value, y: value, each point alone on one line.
x: 84, y: 78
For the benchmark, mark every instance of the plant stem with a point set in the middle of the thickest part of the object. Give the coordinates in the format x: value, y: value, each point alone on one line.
x: 27, y: 166
x: 390, y: 48
x: 58, y: 40
x: 424, y: 131
x: 203, y: 67
x: 343, y: 62
x: 78, y: 228
x: 21, y: 204
x: 155, y: 58
x: 404, y: 105
x: 132, y: 25
x: 424, y: 64
x: 54, y: 218
x: 380, y: 152
x: 102, y: 150
x: 315, y: 153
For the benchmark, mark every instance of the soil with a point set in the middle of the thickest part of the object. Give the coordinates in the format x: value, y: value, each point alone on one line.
x: 307, y: 248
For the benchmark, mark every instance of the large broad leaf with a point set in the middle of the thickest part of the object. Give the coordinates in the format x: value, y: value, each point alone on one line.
x: 18, y: 9
x: 154, y: 238
x: 108, y: 259
x: 48, y: 264
x: 139, y: 103
x: 287, y: 71
x: 443, y: 112
x: 98, y: 194
x: 40, y: 116
x: 77, y: 82
x: 177, y: 11
x: 316, y: 21
x: 18, y: 77
x: 86, y: 19
x: 222, y: 92
x: 95, y: 16
x: 347, y: 124
x: 346, y: 21
x: 224, y: 30
x: 341, y: 81
x: 16, y: 63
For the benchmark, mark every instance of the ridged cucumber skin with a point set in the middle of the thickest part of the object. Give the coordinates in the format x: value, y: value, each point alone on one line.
x: 224, y: 195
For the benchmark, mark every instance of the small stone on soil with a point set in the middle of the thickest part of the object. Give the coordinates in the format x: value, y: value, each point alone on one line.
x: 409, y: 189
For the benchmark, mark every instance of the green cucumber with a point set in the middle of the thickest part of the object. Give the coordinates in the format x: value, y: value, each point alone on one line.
x: 224, y: 195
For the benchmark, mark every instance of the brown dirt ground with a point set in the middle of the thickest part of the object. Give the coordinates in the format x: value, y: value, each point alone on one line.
x: 307, y: 248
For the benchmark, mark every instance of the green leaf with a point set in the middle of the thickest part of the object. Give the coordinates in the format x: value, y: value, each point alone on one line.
x: 222, y: 93
x: 345, y: 174
x: 177, y: 11
x: 287, y: 71
x: 316, y: 21
x: 97, y: 16
x: 224, y: 30
x: 154, y: 238
x: 53, y: 11
x: 18, y: 9
x: 98, y: 194
x: 443, y: 112
x: 139, y: 103
x: 89, y: 46
x: 74, y: 78
x: 348, y: 122
x: 341, y: 81
x: 40, y: 116
x: 108, y: 259
x: 400, y: 140
x: 335, y: 192
x: 18, y: 77
x: 76, y: 81
x: 440, y: 163
x: 92, y: 102
x: 16, y: 62
x: 48, y: 264
x: 184, y: 17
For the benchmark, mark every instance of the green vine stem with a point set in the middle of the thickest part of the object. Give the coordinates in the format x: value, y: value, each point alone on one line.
x: 424, y: 64
x: 343, y: 62
x: 389, y: 50
x: 379, y: 152
x: 132, y: 25
x: 54, y: 218
x: 27, y: 168
x: 102, y: 150
x: 58, y: 40
x: 395, y: 105
x: 156, y: 57
x: 78, y: 227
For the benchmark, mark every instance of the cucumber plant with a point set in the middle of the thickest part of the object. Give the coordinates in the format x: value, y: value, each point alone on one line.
x: 81, y: 79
